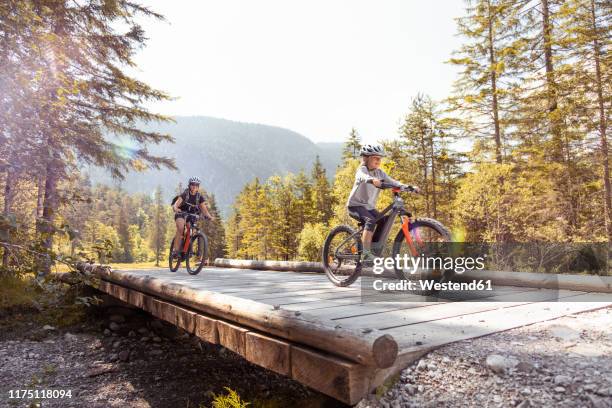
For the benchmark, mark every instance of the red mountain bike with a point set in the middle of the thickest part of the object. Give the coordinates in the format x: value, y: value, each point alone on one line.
x: 421, y: 237
x: 193, y: 249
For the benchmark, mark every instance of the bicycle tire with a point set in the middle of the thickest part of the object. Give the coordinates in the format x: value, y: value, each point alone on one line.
x: 399, y: 239
x: 329, y: 271
x: 202, y: 241
x: 173, y: 268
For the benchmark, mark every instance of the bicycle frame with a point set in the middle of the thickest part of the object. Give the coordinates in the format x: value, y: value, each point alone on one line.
x: 396, y: 208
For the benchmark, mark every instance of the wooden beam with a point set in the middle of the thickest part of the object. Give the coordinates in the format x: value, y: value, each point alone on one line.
x: 368, y: 347
x: 232, y: 337
x: 185, y: 319
x: 269, y: 353
x: 206, y: 329
x: 338, y: 378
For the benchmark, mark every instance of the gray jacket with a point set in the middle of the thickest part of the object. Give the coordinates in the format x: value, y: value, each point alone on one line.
x: 364, y: 193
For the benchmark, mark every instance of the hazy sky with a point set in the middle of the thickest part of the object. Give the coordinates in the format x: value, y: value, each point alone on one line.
x: 316, y: 67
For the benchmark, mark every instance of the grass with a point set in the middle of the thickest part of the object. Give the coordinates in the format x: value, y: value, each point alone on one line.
x: 17, y: 292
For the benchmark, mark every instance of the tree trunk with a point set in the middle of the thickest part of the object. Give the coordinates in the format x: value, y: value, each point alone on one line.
x: 602, y: 126
x: 40, y: 196
x: 50, y: 206
x: 7, y: 209
x: 495, y: 103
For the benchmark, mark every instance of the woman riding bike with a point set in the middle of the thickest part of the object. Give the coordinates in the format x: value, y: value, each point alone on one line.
x: 361, y: 202
x: 189, y: 202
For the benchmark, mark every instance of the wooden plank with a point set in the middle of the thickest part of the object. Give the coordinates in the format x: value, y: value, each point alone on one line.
x: 439, y: 311
x: 185, y: 319
x: 232, y: 337
x: 104, y: 286
x: 340, y: 379
x: 269, y: 353
x: 444, y: 331
x: 119, y: 292
x: 206, y: 329
x: 136, y: 298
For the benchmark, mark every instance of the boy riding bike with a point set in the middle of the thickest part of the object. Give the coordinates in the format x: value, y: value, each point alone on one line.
x: 361, y: 203
x: 189, y: 202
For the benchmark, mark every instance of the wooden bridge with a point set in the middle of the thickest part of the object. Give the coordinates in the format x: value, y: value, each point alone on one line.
x: 328, y: 338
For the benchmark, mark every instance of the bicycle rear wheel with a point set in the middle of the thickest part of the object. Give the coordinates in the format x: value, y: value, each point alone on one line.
x: 342, y: 255
x: 197, y: 254
x: 174, y: 264
x: 430, y: 239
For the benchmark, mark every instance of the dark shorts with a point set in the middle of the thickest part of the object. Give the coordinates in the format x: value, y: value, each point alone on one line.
x: 367, y: 217
x: 180, y: 215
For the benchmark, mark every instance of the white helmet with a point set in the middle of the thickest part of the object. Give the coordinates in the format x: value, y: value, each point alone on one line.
x: 372, y: 150
x: 194, y: 180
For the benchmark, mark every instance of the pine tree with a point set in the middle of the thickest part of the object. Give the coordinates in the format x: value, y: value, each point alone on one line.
x: 321, y: 191
x: 77, y: 90
x: 159, y: 225
x: 480, y: 95
x: 214, y: 230
x: 352, y: 146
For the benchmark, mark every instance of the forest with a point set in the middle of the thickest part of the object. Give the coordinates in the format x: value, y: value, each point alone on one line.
x: 517, y: 152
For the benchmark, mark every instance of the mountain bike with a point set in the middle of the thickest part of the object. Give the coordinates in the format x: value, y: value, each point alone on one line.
x: 193, y: 248
x: 422, y: 237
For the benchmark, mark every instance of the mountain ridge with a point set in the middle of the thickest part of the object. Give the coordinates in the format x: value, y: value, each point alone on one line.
x: 225, y: 154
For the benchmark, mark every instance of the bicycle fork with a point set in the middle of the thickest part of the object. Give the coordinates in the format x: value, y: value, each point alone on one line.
x: 408, y: 237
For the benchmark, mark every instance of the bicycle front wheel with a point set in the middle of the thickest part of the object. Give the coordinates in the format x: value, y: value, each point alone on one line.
x: 342, y: 256
x: 430, y: 240
x: 198, y: 252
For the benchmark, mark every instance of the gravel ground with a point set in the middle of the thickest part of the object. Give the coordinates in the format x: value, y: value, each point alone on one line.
x: 565, y: 362
x: 129, y: 359
x: 138, y: 361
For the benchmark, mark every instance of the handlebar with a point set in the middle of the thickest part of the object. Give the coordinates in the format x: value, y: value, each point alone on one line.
x: 403, y: 188
x: 196, y: 216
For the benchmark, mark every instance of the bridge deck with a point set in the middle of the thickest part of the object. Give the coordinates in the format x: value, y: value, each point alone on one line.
x: 416, y: 325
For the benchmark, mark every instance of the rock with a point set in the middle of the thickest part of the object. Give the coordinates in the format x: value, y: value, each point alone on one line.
x: 70, y: 337
x: 562, y: 380
x: 524, y: 366
x: 559, y: 389
x: 420, y: 388
x: 116, y: 344
x: 499, y: 364
x: 48, y: 328
x: 432, y: 367
x: 114, y: 326
x: 524, y: 404
x: 598, y: 402
x: 156, y: 352
x: 446, y: 360
x: 107, y: 332
x: 117, y: 318
x: 143, y: 330
x: 410, y: 389
x: 422, y: 366
x: 124, y: 355
x: 102, y: 369
x: 144, y: 339
x: 157, y: 339
x: 132, y: 333
x: 604, y: 392
x: 113, y: 357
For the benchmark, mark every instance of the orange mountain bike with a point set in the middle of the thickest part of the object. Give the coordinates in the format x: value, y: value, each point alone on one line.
x: 422, y: 237
x: 193, y: 249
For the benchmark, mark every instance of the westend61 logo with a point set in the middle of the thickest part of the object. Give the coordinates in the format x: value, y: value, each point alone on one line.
x: 413, y: 264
